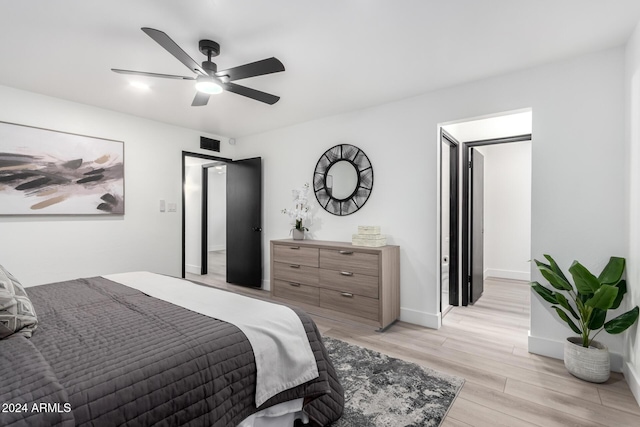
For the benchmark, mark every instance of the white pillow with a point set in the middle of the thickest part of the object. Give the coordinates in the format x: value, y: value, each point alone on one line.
x: 16, y: 310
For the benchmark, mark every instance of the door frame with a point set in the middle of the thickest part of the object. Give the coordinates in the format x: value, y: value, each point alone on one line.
x: 204, y: 243
x: 453, y: 217
x: 465, y: 206
x: 186, y: 154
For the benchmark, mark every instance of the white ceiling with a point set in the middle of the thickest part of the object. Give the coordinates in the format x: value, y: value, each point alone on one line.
x: 340, y: 55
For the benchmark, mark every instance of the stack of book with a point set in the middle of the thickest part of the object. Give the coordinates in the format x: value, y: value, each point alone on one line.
x: 369, y: 236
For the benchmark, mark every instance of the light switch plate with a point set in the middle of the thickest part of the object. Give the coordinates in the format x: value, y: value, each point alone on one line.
x: 173, y: 207
x: 162, y: 206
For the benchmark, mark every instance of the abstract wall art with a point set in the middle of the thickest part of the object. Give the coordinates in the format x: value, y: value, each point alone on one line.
x: 47, y: 172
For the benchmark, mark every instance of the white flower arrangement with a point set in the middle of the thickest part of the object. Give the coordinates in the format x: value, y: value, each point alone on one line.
x: 301, y: 207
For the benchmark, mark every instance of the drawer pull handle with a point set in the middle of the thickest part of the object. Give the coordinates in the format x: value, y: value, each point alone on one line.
x: 294, y: 266
x: 297, y: 285
x: 346, y: 273
x: 345, y: 252
x: 294, y: 247
x: 346, y: 294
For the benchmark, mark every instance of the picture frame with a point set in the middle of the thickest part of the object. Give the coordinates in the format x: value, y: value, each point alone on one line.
x: 49, y: 172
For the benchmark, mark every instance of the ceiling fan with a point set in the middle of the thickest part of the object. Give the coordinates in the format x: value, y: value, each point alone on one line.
x: 209, y: 80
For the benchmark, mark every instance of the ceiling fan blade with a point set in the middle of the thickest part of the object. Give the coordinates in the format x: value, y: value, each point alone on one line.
x: 143, y: 73
x: 170, y: 46
x: 200, y: 100
x: 251, y: 93
x: 258, y: 68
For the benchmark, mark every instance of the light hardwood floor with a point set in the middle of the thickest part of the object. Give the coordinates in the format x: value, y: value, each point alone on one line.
x: 487, y: 345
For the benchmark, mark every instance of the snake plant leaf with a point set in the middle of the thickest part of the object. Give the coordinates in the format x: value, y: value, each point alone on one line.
x: 586, y: 282
x: 545, y: 293
x: 622, y: 322
x: 612, y: 272
x: 597, y: 319
x: 603, y: 298
x: 562, y: 300
x: 564, y: 316
x: 622, y: 289
x: 555, y: 280
x: 554, y: 267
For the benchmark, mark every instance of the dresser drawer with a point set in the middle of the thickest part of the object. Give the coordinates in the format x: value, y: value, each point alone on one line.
x: 349, y: 260
x: 293, y: 254
x: 296, y: 292
x: 346, y: 281
x: 348, y: 303
x: 295, y: 273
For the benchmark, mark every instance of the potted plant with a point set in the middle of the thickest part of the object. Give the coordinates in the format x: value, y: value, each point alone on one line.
x: 584, y: 309
x: 300, y: 211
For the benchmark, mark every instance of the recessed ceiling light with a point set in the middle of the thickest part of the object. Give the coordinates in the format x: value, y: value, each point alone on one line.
x: 139, y: 85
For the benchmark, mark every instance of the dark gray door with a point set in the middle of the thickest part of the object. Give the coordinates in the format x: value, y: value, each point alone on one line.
x: 244, y: 222
x: 477, y: 225
x: 449, y: 220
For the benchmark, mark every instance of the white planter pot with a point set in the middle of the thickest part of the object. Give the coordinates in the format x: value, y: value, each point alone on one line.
x: 298, y: 234
x: 590, y: 364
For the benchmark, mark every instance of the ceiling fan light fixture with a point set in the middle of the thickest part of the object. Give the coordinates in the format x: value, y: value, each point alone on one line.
x: 208, y: 86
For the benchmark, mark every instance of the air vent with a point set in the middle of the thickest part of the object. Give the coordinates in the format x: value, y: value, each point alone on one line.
x: 209, y: 144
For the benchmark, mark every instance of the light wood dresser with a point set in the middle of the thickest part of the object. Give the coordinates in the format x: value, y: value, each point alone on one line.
x: 338, y: 280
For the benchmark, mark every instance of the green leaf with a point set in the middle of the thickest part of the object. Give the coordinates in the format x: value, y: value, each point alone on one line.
x: 597, y: 319
x: 545, y: 293
x: 562, y: 300
x: 584, y: 297
x: 622, y: 322
x: 622, y: 289
x: 554, y: 267
x: 555, y: 280
x: 565, y: 317
x: 603, y: 298
x: 586, y: 282
x: 612, y: 272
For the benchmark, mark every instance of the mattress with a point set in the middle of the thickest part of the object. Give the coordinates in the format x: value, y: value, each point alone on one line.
x: 113, y: 355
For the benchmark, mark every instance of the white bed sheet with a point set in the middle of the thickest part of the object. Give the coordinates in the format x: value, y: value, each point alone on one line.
x: 281, y: 415
x: 284, y: 358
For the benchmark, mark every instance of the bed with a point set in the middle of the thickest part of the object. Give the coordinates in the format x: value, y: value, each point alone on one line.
x: 106, y: 353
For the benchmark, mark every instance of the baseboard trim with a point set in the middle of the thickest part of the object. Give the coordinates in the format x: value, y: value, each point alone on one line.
x: 266, y: 285
x: 633, y: 379
x: 193, y: 269
x: 555, y: 349
x: 508, y: 274
x: 433, y: 321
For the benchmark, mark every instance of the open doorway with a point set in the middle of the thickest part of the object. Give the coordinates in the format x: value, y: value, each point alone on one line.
x: 204, y: 218
x: 214, y: 222
x: 494, y: 205
x: 242, y: 198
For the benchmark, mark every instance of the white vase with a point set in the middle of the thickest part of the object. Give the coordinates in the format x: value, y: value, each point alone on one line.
x: 590, y: 364
x: 298, y: 234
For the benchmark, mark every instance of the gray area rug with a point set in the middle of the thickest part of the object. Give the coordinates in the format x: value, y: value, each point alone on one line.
x: 384, y: 391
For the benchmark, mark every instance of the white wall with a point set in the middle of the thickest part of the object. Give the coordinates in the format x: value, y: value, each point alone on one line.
x: 632, y: 103
x: 507, y: 210
x: 42, y: 249
x: 217, y: 209
x: 577, y: 149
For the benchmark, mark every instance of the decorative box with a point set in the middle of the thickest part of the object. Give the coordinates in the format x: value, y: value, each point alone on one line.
x: 369, y: 229
x: 370, y: 240
x: 369, y: 235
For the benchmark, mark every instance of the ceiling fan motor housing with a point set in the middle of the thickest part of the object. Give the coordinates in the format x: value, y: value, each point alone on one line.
x: 209, y: 67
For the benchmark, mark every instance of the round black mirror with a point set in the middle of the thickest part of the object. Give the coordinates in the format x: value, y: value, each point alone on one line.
x: 343, y: 179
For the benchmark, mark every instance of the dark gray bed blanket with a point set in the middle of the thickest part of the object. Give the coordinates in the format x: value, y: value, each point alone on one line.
x: 124, y: 358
